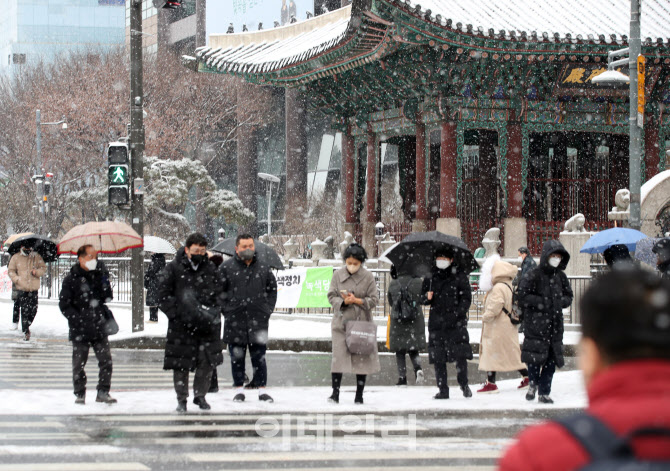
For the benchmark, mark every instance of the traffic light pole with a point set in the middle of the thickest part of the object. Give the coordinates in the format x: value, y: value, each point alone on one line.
x: 635, y: 142
x: 136, y: 145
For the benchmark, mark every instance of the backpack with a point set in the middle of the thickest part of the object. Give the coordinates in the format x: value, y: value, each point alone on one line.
x: 608, y: 451
x: 515, y: 315
x: 405, y: 308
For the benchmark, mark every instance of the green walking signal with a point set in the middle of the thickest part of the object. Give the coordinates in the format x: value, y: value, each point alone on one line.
x: 118, y: 176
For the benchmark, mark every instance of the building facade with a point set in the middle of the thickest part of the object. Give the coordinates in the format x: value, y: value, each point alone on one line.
x: 32, y: 31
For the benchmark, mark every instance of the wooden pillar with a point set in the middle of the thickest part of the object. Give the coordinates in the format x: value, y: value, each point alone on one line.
x: 448, y: 180
x: 296, y: 156
x: 651, y: 147
x: 421, y: 210
x: 514, y: 174
x: 371, y: 183
x: 348, y: 175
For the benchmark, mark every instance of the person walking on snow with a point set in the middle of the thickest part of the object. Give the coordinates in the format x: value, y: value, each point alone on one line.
x: 83, y: 301
x: 543, y: 294
x: 250, y: 295
x: 151, y: 284
x: 25, y: 270
x: 499, y: 347
x: 189, y: 293
x: 449, y: 295
x: 407, y: 329
x: 353, y: 296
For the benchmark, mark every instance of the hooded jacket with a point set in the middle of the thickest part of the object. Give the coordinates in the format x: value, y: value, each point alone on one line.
x: 543, y: 294
x: 82, y: 301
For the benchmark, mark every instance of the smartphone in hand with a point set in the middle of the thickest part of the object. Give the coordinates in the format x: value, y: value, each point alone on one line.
x: 344, y: 293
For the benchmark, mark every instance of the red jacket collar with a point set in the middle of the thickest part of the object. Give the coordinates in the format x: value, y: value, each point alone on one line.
x: 630, y: 379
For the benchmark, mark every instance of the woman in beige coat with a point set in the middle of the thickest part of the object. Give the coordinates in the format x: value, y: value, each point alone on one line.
x: 353, y: 296
x: 499, y: 347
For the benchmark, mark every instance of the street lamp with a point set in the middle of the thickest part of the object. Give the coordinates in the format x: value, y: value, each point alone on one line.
x: 269, y: 181
x: 40, y: 180
x: 635, y: 119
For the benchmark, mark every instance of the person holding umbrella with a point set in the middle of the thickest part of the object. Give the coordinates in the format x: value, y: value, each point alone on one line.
x: 151, y: 284
x: 662, y: 250
x: 25, y: 269
x: 449, y: 295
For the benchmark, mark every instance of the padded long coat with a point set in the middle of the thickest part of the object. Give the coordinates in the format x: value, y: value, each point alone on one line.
x: 499, y: 347
x: 362, y: 285
x: 406, y: 336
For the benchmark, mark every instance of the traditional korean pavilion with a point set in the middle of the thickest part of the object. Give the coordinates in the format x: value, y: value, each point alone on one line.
x: 490, y: 103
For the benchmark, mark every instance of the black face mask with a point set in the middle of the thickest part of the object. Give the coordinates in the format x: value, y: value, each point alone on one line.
x: 197, y: 259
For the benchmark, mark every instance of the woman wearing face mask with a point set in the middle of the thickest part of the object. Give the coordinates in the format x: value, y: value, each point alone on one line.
x: 83, y: 298
x: 449, y: 295
x: 353, y: 296
x: 543, y: 294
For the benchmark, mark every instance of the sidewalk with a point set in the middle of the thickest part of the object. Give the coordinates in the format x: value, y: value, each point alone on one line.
x: 288, y: 332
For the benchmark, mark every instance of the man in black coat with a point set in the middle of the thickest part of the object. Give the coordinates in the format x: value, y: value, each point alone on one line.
x: 83, y: 297
x: 151, y: 284
x: 449, y: 295
x: 543, y: 294
x: 527, y: 265
x: 250, y: 294
x: 189, y: 293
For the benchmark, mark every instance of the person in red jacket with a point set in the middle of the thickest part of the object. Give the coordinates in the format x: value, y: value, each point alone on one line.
x: 625, y: 359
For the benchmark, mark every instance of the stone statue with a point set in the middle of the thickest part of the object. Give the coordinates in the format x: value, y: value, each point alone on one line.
x: 318, y: 250
x: 291, y: 249
x: 348, y: 239
x: 622, y: 201
x: 575, y: 223
x: 329, y: 253
x: 491, y: 242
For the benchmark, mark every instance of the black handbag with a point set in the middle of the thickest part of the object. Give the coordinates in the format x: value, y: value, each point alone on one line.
x: 111, y: 327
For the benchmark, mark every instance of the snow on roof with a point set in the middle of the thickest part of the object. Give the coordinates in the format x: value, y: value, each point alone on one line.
x: 574, y: 17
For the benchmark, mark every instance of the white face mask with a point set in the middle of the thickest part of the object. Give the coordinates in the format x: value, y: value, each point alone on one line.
x: 352, y: 268
x: 555, y: 261
x: 519, y: 259
x: 91, y: 264
x: 442, y: 264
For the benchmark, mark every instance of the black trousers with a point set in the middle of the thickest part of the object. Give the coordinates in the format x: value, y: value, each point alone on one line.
x: 79, y: 358
x: 542, y: 375
x: 16, y: 315
x: 238, y: 353
x: 27, y: 308
x: 201, y: 380
x: 401, y: 361
x: 153, y: 313
x: 461, y: 374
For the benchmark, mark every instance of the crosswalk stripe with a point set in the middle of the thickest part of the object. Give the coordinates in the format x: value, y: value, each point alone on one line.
x: 31, y: 424
x: 58, y: 450
x: 226, y: 417
x: 397, y: 441
x: 239, y: 427
x: 43, y: 436
x: 76, y: 466
x: 341, y: 455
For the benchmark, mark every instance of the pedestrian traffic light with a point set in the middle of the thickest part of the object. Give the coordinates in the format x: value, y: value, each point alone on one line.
x: 118, y: 176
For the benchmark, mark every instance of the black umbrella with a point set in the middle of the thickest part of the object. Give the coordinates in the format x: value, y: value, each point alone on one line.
x: 42, y: 245
x: 415, y: 254
x: 264, y: 253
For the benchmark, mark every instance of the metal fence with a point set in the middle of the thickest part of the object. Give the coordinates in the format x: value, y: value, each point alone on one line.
x: 119, y: 271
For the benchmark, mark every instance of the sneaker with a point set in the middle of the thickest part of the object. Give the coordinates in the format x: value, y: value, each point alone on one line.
x: 15, y: 326
x: 532, y: 390
x: 467, y: 392
x: 105, y: 397
x: 200, y: 402
x: 251, y: 385
x: 181, y: 407
x: 80, y: 400
x: 524, y: 383
x: 420, y: 378
x: 26, y: 335
x: 401, y: 382
x: 265, y: 398
x: 545, y: 399
x: 442, y: 395
x: 239, y: 397
x: 489, y: 388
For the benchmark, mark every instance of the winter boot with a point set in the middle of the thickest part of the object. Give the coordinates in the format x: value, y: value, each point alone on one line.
x: 80, y: 400
x: 467, y: 392
x: 335, y: 397
x: 239, y: 397
x: 545, y: 399
x: 200, y: 402
x: 401, y: 382
x: 359, y: 397
x: 532, y: 390
x: 26, y: 335
x: 524, y: 383
x: 444, y: 394
x: 181, y: 407
x: 489, y: 388
x: 103, y: 396
x: 420, y: 378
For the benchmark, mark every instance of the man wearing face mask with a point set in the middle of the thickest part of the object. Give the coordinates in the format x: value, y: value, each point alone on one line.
x: 250, y: 295
x: 449, y: 295
x: 543, y: 294
x: 25, y: 270
x: 82, y: 300
x: 189, y: 293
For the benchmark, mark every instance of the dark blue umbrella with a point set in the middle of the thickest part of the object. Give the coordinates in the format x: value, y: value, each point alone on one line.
x: 603, y: 240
